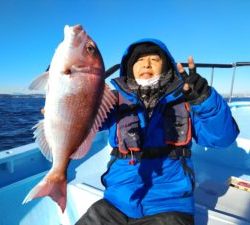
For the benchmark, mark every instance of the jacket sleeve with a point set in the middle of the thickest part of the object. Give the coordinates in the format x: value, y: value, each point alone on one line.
x: 212, y: 121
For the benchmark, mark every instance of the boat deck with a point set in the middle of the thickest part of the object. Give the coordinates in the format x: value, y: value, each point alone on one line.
x: 217, y: 203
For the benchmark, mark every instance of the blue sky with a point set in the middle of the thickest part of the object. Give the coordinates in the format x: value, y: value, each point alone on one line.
x: 213, y: 31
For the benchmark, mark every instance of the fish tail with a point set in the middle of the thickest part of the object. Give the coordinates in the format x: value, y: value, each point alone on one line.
x: 56, y: 190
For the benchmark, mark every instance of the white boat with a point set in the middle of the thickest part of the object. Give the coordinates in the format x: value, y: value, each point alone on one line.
x: 218, y: 200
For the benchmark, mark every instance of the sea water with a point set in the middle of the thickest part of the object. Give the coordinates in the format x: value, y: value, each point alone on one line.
x: 18, y: 114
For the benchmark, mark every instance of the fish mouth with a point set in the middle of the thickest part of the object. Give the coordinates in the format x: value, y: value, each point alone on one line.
x: 77, y: 28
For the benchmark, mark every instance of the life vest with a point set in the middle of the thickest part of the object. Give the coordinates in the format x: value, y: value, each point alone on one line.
x: 128, y: 129
x: 175, y: 125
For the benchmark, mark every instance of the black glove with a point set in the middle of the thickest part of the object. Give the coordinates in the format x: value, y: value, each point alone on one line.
x: 198, y: 87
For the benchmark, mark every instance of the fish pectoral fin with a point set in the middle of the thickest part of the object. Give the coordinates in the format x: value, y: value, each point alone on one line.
x: 40, y: 82
x: 55, y: 190
x: 107, y: 104
x: 108, y: 101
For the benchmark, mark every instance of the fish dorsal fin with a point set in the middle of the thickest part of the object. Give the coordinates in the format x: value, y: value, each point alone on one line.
x: 41, y: 140
x: 40, y: 82
x: 107, y: 104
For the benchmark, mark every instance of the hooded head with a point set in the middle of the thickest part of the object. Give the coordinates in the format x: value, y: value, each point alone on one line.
x: 145, y: 47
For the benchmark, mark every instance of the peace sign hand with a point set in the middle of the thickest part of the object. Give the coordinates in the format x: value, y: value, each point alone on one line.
x: 195, y: 88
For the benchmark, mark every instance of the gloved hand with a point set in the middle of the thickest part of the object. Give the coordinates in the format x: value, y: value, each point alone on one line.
x: 195, y: 88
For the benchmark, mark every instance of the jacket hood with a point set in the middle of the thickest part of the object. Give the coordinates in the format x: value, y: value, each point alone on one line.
x: 157, y: 42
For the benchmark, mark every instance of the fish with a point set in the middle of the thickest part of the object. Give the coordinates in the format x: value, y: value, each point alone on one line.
x: 77, y: 103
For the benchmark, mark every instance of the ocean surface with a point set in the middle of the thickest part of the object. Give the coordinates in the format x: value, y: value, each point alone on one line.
x: 19, y: 113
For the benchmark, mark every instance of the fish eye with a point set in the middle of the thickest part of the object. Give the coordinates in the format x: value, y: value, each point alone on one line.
x: 90, y: 48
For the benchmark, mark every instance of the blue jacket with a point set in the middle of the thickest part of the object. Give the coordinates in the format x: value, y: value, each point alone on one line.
x: 161, y: 184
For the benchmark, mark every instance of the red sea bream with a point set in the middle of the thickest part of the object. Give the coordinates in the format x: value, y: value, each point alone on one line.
x: 77, y: 102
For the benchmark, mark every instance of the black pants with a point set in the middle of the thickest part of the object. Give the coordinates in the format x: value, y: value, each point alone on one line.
x: 103, y: 213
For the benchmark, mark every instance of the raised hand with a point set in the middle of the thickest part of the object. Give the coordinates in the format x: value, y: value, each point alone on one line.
x: 195, y: 88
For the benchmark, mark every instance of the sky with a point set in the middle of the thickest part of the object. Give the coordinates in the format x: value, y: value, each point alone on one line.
x: 212, y: 31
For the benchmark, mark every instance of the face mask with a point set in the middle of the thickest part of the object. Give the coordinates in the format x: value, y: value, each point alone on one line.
x: 146, y: 82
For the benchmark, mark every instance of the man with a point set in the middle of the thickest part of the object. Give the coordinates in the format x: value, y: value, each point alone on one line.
x: 150, y: 177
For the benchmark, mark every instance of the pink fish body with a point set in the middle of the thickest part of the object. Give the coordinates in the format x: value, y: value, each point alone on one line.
x: 77, y: 102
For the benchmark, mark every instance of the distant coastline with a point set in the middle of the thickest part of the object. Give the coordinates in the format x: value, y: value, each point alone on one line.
x: 19, y: 95
x: 236, y: 95
x: 30, y: 95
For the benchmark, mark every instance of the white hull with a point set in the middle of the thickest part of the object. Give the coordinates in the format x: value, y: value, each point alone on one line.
x: 217, y: 203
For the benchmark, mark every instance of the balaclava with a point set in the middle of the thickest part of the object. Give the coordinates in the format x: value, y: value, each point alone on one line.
x: 149, y: 94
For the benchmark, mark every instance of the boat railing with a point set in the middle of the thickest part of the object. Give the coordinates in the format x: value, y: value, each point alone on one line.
x: 8, y: 157
x: 233, y: 66
x: 219, y: 65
